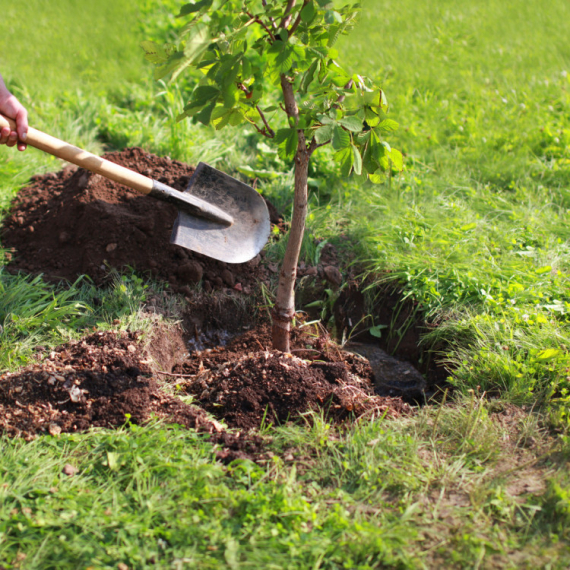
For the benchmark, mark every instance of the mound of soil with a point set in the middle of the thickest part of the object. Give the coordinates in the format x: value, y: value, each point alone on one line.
x: 94, y: 382
x: 246, y: 386
x: 75, y: 222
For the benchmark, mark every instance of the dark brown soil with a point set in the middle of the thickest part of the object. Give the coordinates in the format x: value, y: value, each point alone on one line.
x: 106, y: 379
x: 74, y: 222
x: 246, y: 385
x: 100, y: 381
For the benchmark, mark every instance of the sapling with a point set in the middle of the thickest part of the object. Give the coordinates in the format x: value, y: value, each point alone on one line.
x: 259, y: 58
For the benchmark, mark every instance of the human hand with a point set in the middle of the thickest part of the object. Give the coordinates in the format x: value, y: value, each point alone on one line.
x: 13, y: 109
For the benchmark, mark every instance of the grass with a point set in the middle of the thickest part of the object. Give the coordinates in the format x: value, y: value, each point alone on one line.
x: 474, y: 232
x: 447, y: 485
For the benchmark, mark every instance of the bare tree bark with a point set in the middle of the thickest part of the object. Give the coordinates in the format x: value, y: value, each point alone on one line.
x: 284, y: 309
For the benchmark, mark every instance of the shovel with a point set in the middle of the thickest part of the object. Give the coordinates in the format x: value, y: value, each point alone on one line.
x: 218, y: 216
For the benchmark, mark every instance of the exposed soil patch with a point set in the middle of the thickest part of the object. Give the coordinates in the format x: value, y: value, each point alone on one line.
x: 75, y: 222
x: 403, y: 329
x: 94, y: 382
x: 107, y: 378
x: 246, y: 384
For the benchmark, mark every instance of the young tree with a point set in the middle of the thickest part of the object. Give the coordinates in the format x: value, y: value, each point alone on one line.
x: 246, y: 51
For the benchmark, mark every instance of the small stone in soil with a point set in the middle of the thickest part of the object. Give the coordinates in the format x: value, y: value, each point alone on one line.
x: 70, y: 470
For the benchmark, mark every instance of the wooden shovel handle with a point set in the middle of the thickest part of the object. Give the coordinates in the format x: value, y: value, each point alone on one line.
x: 82, y: 158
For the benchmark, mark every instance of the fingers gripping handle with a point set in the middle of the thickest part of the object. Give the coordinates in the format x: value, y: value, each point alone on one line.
x: 82, y: 158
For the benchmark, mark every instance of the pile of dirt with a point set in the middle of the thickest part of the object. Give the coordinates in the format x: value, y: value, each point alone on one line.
x: 99, y: 381
x: 75, y: 222
x: 246, y: 386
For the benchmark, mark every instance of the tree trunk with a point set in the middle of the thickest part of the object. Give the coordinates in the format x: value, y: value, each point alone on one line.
x: 284, y: 309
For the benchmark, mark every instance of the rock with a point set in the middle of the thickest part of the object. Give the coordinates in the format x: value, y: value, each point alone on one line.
x: 54, y: 430
x: 190, y: 272
x: 332, y: 275
x: 111, y: 247
x: 83, y: 180
x: 69, y: 470
x: 392, y: 377
x: 228, y: 277
x: 238, y: 287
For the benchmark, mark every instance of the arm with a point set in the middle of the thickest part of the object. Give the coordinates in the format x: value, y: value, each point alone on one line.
x: 12, y: 108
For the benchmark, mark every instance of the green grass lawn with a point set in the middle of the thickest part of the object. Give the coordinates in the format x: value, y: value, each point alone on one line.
x: 474, y: 231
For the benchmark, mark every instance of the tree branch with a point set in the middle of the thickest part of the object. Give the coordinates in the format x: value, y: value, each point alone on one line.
x: 313, y: 146
x: 289, y: 97
x: 271, y: 18
x: 262, y: 24
x: 298, y: 19
x: 287, y: 16
x: 270, y: 131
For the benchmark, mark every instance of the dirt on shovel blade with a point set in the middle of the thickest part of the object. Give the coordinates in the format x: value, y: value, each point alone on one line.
x: 75, y: 222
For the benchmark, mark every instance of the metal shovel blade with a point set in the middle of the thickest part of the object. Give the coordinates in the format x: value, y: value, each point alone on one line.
x: 239, y: 242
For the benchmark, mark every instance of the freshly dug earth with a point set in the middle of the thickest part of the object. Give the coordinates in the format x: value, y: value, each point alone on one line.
x: 94, y: 382
x: 106, y: 378
x: 246, y: 386
x: 75, y: 222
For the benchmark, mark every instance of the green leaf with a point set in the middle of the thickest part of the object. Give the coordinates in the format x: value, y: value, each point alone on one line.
x: 292, y: 143
x: 345, y: 159
x: 204, y: 94
x: 340, y: 139
x: 308, y: 12
x: 323, y: 134
x: 284, y: 60
x: 357, y: 160
x: 309, y: 76
x: 362, y: 138
x: 545, y: 269
x: 204, y: 116
x: 377, y: 178
x: 397, y: 160
x: 325, y: 120
x: 388, y: 126
x: 194, y: 7
x: 376, y: 331
x: 353, y: 124
x: 548, y: 354
x: 230, y: 95
x: 258, y: 173
x: 156, y: 53
x: 377, y: 154
x: 246, y: 71
x: 332, y: 16
x: 282, y: 135
x: 195, y: 47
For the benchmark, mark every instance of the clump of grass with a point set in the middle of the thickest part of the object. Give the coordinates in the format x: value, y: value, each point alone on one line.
x: 32, y: 312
